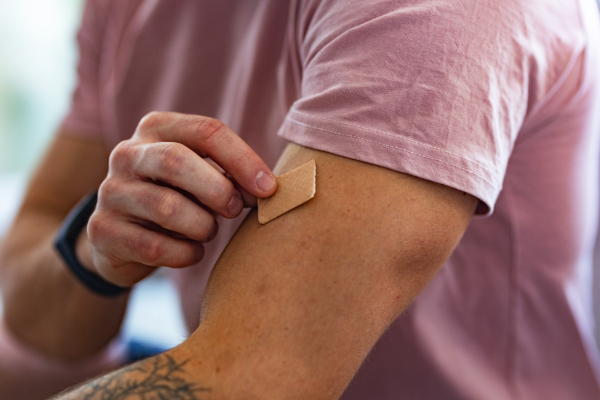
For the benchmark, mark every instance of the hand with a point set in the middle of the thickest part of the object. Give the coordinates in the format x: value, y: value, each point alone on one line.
x: 159, y: 201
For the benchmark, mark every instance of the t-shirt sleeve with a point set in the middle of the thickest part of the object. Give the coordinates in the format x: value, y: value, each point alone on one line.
x: 84, y: 116
x: 428, y: 88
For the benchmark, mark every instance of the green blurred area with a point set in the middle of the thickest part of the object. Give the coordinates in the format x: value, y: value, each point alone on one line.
x: 37, y: 73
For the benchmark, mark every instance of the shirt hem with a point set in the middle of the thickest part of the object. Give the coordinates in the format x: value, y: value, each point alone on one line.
x: 394, y: 152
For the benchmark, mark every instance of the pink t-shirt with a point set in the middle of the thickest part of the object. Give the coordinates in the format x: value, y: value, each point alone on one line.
x: 499, y: 99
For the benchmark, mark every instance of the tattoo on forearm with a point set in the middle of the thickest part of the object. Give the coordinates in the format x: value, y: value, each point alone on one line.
x: 157, y: 378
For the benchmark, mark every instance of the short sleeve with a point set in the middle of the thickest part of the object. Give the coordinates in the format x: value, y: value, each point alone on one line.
x: 84, y: 118
x: 435, y: 89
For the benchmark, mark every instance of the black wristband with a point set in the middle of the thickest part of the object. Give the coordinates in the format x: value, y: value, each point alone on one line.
x: 65, y: 242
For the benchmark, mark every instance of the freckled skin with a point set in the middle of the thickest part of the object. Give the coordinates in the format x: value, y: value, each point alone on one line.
x: 267, y: 330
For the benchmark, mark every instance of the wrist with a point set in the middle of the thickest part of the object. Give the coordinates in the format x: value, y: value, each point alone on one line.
x: 66, y: 242
x: 84, y: 252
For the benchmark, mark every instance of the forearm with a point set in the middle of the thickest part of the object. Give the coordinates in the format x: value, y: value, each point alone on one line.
x: 165, y: 376
x: 44, y: 305
x: 24, y: 375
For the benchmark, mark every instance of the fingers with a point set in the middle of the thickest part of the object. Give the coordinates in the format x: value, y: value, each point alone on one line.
x: 150, y: 208
x: 211, y: 137
x: 178, y: 166
x: 249, y: 199
x: 164, y: 207
x: 131, y: 243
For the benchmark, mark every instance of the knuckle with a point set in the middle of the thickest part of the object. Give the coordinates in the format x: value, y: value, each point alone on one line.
x: 210, y: 128
x: 149, y: 249
x: 221, y: 192
x: 122, y: 155
x: 150, y: 121
x: 108, y: 189
x: 246, y: 158
x: 97, y: 228
x: 168, y: 205
x: 172, y: 159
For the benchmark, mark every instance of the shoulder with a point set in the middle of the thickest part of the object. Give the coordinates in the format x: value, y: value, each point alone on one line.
x: 528, y: 23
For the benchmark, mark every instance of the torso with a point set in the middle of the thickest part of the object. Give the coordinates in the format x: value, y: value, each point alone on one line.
x: 509, y: 316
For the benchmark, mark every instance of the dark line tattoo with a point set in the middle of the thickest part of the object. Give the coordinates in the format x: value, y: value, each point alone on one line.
x: 157, y: 378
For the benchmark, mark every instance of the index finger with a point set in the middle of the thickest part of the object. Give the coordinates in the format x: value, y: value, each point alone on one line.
x: 211, y: 137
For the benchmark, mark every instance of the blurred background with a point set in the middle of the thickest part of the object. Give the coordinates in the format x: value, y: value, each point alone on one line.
x: 38, y: 58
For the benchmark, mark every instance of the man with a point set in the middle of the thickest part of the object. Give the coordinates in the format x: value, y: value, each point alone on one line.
x: 418, y: 114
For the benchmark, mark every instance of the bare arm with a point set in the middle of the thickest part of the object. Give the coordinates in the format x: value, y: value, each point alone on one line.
x: 148, y: 215
x: 293, y: 307
x: 44, y: 305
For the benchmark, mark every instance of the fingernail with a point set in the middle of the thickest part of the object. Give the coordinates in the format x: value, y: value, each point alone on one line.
x: 265, y: 181
x: 199, y: 252
x: 214, y: 232
x: 235, y: 205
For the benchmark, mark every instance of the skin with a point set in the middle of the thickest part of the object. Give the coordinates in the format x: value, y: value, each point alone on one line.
x: 149, y: 211
x: 293, y: 307
x: 44, y: 306
x: 49, y: 310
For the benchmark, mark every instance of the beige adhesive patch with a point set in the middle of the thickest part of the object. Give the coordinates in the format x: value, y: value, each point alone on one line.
x: 294, y: 188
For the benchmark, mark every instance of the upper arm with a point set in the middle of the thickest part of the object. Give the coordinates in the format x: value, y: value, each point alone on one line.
x: 296, y: 304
